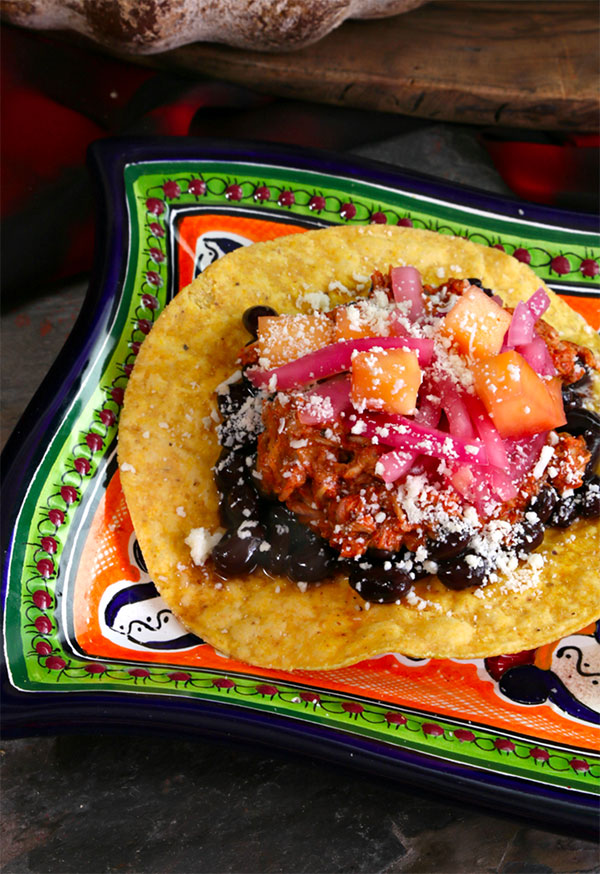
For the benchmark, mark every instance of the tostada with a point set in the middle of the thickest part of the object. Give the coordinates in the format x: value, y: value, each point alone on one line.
x: 363, y: 440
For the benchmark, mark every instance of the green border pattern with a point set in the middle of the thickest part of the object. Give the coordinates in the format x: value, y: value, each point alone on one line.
x: 36, y: 655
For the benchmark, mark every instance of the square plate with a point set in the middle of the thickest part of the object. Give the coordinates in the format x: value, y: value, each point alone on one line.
x: 88, y: 641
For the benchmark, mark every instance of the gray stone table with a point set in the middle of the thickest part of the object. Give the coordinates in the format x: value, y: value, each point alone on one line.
x: 137, y: 804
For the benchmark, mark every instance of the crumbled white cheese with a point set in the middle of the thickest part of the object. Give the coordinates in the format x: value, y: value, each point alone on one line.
x: 128, y: 468
x: 201, y: 543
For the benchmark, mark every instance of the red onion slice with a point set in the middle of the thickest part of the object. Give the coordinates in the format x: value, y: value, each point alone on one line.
x: 325, y: 403
x: 538, y: 357
x: 488, y: 433
x: 393, y: 465
x: 407, y: 287
x: 455, y: 408
x: 538, y: 303
x: 401, y: 433
x: 333, y: 359
x: 521, y: 328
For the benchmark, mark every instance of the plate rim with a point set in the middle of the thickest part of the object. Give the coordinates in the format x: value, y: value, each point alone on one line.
x: 107, y: 159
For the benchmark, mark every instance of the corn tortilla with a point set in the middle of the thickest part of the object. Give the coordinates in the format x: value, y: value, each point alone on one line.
x: 167, y: 455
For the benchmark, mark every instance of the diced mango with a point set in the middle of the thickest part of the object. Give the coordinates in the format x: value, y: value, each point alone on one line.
x: 519, y: 401
x: 387, y: 380
x: 286, y: 338
x: 477, y: 324
x: 350, y: 324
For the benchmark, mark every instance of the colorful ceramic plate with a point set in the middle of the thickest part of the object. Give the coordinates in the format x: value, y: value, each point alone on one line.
x: 87, y: 640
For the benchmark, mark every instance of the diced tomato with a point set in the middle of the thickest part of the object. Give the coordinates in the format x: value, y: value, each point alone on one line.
x: 386, y: 379
x: 285, y: 338
x: 519, y: 401
x: 477, y: 324
x: 349, y: 324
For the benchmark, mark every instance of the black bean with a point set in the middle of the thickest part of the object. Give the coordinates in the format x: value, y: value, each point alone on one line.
x: 592, y: 441
x: 580, y: 420
x: 311, y: 565
x: 230, y: 468
x: 231, y: 403
x: 378, y: 585
x: 565, y: 512
x: 276, y: 520
x: 448, y: 545
x: 544, y: 503
x: 238, y: 504
x: 480, y: 285
x: 251, y: 316
x: 590, y: 497
x: 457, y: 573
x: 528, y: 536
x: 237, y: 555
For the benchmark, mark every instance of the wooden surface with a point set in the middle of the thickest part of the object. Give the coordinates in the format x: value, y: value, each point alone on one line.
x: 519, y: 64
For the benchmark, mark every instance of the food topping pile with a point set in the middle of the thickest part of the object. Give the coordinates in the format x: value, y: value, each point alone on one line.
x: 419, y: 431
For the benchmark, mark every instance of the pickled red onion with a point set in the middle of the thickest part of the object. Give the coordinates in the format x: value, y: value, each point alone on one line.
x: 333, y: 359
x: 538, y: 357
x: 326, y: 402
x: 401, y: 433
x: 407, y: 287
x: 538, y: 303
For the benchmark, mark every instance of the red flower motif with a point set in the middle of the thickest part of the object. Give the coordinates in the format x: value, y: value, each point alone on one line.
x: 310, y: 697
x: 267, y: 689
x: 464, y: 735
x: 42, y: 599
x: 144, y: 326
x: 579, y: 765
x: 223, y: 683
x: 45, y: 567
x: 153, y: 278
x: 180, y: 676
x: 317, y: 203
x: 157, y: 229
x: 589, y: 267
x: 172, y: 189
x: 55, y: 663
x: 69, y: 494
x: 378, y: 218
x: 95, y: 668
x: 561, y: 265
x: 262, y: 193
x: 157, y: 256
x: 395, y: 718
x: 539, y: 754
x: 347, y: 211
x: 234, y: 192
x: 139, y: 673
x: 405, y: 223
x: 94, y: 441
x: 57, y: 517
x: 197, y: 187
x: 286, y: 198
x: 43, y: 625
x: 107, y: 417
x: 49, y: 545
x: 155, y: 206
x: 433, y: 729
x: 43, y: 648
x: 352, y: 707
x: 522, y: 255
x: 118, y: 395
x: 504, y: 745
x: 82, y: 466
